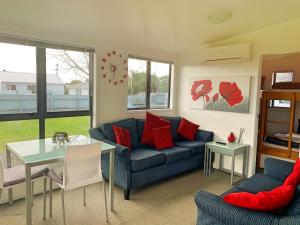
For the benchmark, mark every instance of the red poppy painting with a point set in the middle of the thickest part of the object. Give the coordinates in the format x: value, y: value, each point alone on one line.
x: 229, y: 94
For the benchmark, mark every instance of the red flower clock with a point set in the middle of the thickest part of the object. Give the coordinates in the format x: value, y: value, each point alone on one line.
x: 114, y: 68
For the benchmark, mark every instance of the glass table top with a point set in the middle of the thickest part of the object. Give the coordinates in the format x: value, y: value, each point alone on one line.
x: 228, y: 146
x: 41, y: 150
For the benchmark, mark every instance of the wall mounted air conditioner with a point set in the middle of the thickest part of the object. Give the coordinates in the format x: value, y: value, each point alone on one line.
x: 227, y: 54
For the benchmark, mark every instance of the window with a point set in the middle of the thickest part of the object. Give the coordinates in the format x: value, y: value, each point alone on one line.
x: 277, y: 78
x: 282, y: 77
x: 11, y: 87
x: 38, y: 103
x: 31, y: 89
x: 148, y: 84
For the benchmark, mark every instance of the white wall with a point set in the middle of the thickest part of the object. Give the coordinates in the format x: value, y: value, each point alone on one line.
x: 278, y: 39
x: 110, y: 100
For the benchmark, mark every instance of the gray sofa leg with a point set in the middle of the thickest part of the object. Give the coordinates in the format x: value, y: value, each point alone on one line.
x: 126, y: 194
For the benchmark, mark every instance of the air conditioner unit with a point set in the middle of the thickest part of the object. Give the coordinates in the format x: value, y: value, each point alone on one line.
x: 227, y: 54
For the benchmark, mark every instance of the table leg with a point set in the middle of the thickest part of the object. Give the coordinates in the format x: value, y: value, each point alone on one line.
x: 244, y: 163
x: 111, y: 179
x: 232, y: 168
x: 205, y: 161
x: 28, y: 194
x: 8, y: 163
x: 209, y: 161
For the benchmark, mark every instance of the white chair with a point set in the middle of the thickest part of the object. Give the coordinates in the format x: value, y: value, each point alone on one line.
x: 11, y: 177
x: 82, y: 167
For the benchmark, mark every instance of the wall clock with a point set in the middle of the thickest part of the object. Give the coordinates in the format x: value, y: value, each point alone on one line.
x: 114, y: 68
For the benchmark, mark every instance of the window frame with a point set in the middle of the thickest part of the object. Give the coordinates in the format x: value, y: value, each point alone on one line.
x: 41, y: 82
x: 148, y: 83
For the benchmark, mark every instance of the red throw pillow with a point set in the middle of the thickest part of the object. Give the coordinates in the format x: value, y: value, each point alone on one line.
x: 123, y: 136
x: 268, y: 200
x: 162, y: 137
x: 294, y: 177
x: 263, y: 201
x: 152, y: 121
x: 187, y: 129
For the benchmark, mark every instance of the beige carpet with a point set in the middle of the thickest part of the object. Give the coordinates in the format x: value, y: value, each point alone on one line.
x: 169, y: 202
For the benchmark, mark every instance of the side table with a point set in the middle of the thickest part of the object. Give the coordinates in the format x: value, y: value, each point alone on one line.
x: 231, y: 150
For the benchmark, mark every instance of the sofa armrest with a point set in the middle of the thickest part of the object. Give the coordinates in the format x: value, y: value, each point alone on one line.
x: 96, y: 134
x: 122, y: 153
x: 278, y: 169
x: 289, y: 220
x: 214, y: 206
x: 204, y: 135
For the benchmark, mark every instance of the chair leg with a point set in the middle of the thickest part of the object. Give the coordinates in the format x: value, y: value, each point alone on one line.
x: 32, y: 193
x: 105, y: 201
x: 126, y: 194
x: 50, y: 198
x: 84, y: 199
x: 44, y: 198
x: 63, y: 206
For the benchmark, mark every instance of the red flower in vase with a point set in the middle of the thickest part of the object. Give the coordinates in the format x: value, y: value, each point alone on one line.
x: 201, y: 88
x: 231, y: 93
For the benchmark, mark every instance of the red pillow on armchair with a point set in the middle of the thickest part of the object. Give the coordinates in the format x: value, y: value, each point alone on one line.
x: 152, y: 121
x: 268, y: 200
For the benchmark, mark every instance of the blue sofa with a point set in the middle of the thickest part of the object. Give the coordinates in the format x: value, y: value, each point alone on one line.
x: 212, y: 210
x: 144, y: 164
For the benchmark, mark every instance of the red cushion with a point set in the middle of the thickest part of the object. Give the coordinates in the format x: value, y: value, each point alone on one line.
x: 294, y: 177
x: 263, y: 201
x: 123, y: 136
x: 187, y: 129
x: 152, y: 121
x: 268, y: 200
x: 162, y: 137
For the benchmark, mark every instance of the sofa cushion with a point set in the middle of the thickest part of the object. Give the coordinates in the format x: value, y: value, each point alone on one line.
x: 145, y: 158
x: 197, y: 147
x: 152, y: 121
x: 259, y: 182
x: 187, y: 129
x: 176, y: 154
x: 264, y: 200
x: 129, y: 124
x: 162, y: 137
x: 140, y: 123
x: 123, y: 136
x: 175, y: 121
x: 293, y: 209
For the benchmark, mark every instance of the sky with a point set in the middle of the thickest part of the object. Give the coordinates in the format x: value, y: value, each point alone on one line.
x: 19, y: 58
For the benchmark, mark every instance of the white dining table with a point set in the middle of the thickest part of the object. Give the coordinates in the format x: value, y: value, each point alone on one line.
x: 44, y: 151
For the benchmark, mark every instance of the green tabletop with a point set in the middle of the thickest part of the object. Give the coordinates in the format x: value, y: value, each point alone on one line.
x: 43, y: 150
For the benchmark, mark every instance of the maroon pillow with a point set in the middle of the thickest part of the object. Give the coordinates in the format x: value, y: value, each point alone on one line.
x: 294, y: 177
x: 162, y: 137
x: 187, y: 129
x: 123, y: 136
x: 152, y: 121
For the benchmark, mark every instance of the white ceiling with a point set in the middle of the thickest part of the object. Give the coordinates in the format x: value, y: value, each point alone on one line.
x: 169, y: 25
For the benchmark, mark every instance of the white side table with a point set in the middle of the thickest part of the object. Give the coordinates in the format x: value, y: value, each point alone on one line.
x: 231, y: 150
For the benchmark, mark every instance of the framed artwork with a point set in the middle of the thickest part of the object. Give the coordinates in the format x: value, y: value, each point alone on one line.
x: 228, y: 94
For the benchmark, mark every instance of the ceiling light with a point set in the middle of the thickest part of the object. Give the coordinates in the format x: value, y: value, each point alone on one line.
x: 219, y: 16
